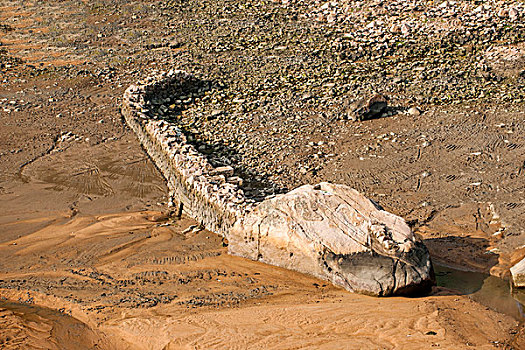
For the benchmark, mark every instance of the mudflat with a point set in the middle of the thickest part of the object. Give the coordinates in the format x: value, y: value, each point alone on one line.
x: 89, y: 258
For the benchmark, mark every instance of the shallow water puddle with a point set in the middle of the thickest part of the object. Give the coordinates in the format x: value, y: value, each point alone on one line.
x: 487, y: 290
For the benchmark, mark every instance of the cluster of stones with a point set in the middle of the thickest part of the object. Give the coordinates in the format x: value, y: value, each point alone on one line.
x: 210, y: 194
x: 383, y: 29
x: 398, y: 11
x: 327, y: 230
x: 290, y: 77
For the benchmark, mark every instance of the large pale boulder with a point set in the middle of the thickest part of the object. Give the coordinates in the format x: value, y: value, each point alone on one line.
x: 518, y: 274
x: 337, y: 234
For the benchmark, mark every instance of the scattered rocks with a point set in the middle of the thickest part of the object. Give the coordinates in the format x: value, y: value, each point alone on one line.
x: 414, y: 111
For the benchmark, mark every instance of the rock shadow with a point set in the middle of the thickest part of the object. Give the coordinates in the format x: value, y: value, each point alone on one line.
x: 490, y: 291
x: 169, y: 103
x: 465, y: 252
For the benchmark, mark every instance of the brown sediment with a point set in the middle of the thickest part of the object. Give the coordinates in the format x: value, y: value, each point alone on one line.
x: 211, y: 300
x: 143, y: 280
x: 37, y: 327
x: 147, y: 286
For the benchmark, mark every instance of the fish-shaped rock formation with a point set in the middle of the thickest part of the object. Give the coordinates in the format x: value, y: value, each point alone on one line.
x: 328, y: 230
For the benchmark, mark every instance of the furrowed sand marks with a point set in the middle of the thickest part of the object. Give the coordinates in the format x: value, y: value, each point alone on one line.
x: 100, y: 173
x: 310, y: 325
x: 35, y: 327
x: 132, y: 290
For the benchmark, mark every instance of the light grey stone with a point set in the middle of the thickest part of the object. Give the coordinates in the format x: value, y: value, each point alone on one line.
x: 335, y: 233
x: 518, y: 274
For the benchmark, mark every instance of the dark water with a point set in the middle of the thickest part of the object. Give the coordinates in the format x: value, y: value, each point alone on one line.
x: 493, y: 292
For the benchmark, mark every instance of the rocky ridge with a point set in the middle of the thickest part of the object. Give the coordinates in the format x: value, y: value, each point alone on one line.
x: 208, y: 193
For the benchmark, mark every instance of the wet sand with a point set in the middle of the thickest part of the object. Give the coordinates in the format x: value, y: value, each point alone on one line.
x: 36, y: 327
x: 86, y: 256
x: 139, y: 285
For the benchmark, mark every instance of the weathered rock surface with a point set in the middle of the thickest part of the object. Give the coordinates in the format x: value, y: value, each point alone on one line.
x: 337, y: 234
x: 518, y: 274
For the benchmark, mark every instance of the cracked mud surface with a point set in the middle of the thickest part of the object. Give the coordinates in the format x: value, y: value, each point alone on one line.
x: 84, y: 204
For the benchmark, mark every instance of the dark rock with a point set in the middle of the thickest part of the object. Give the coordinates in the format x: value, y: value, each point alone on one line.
x: 368, y: 108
